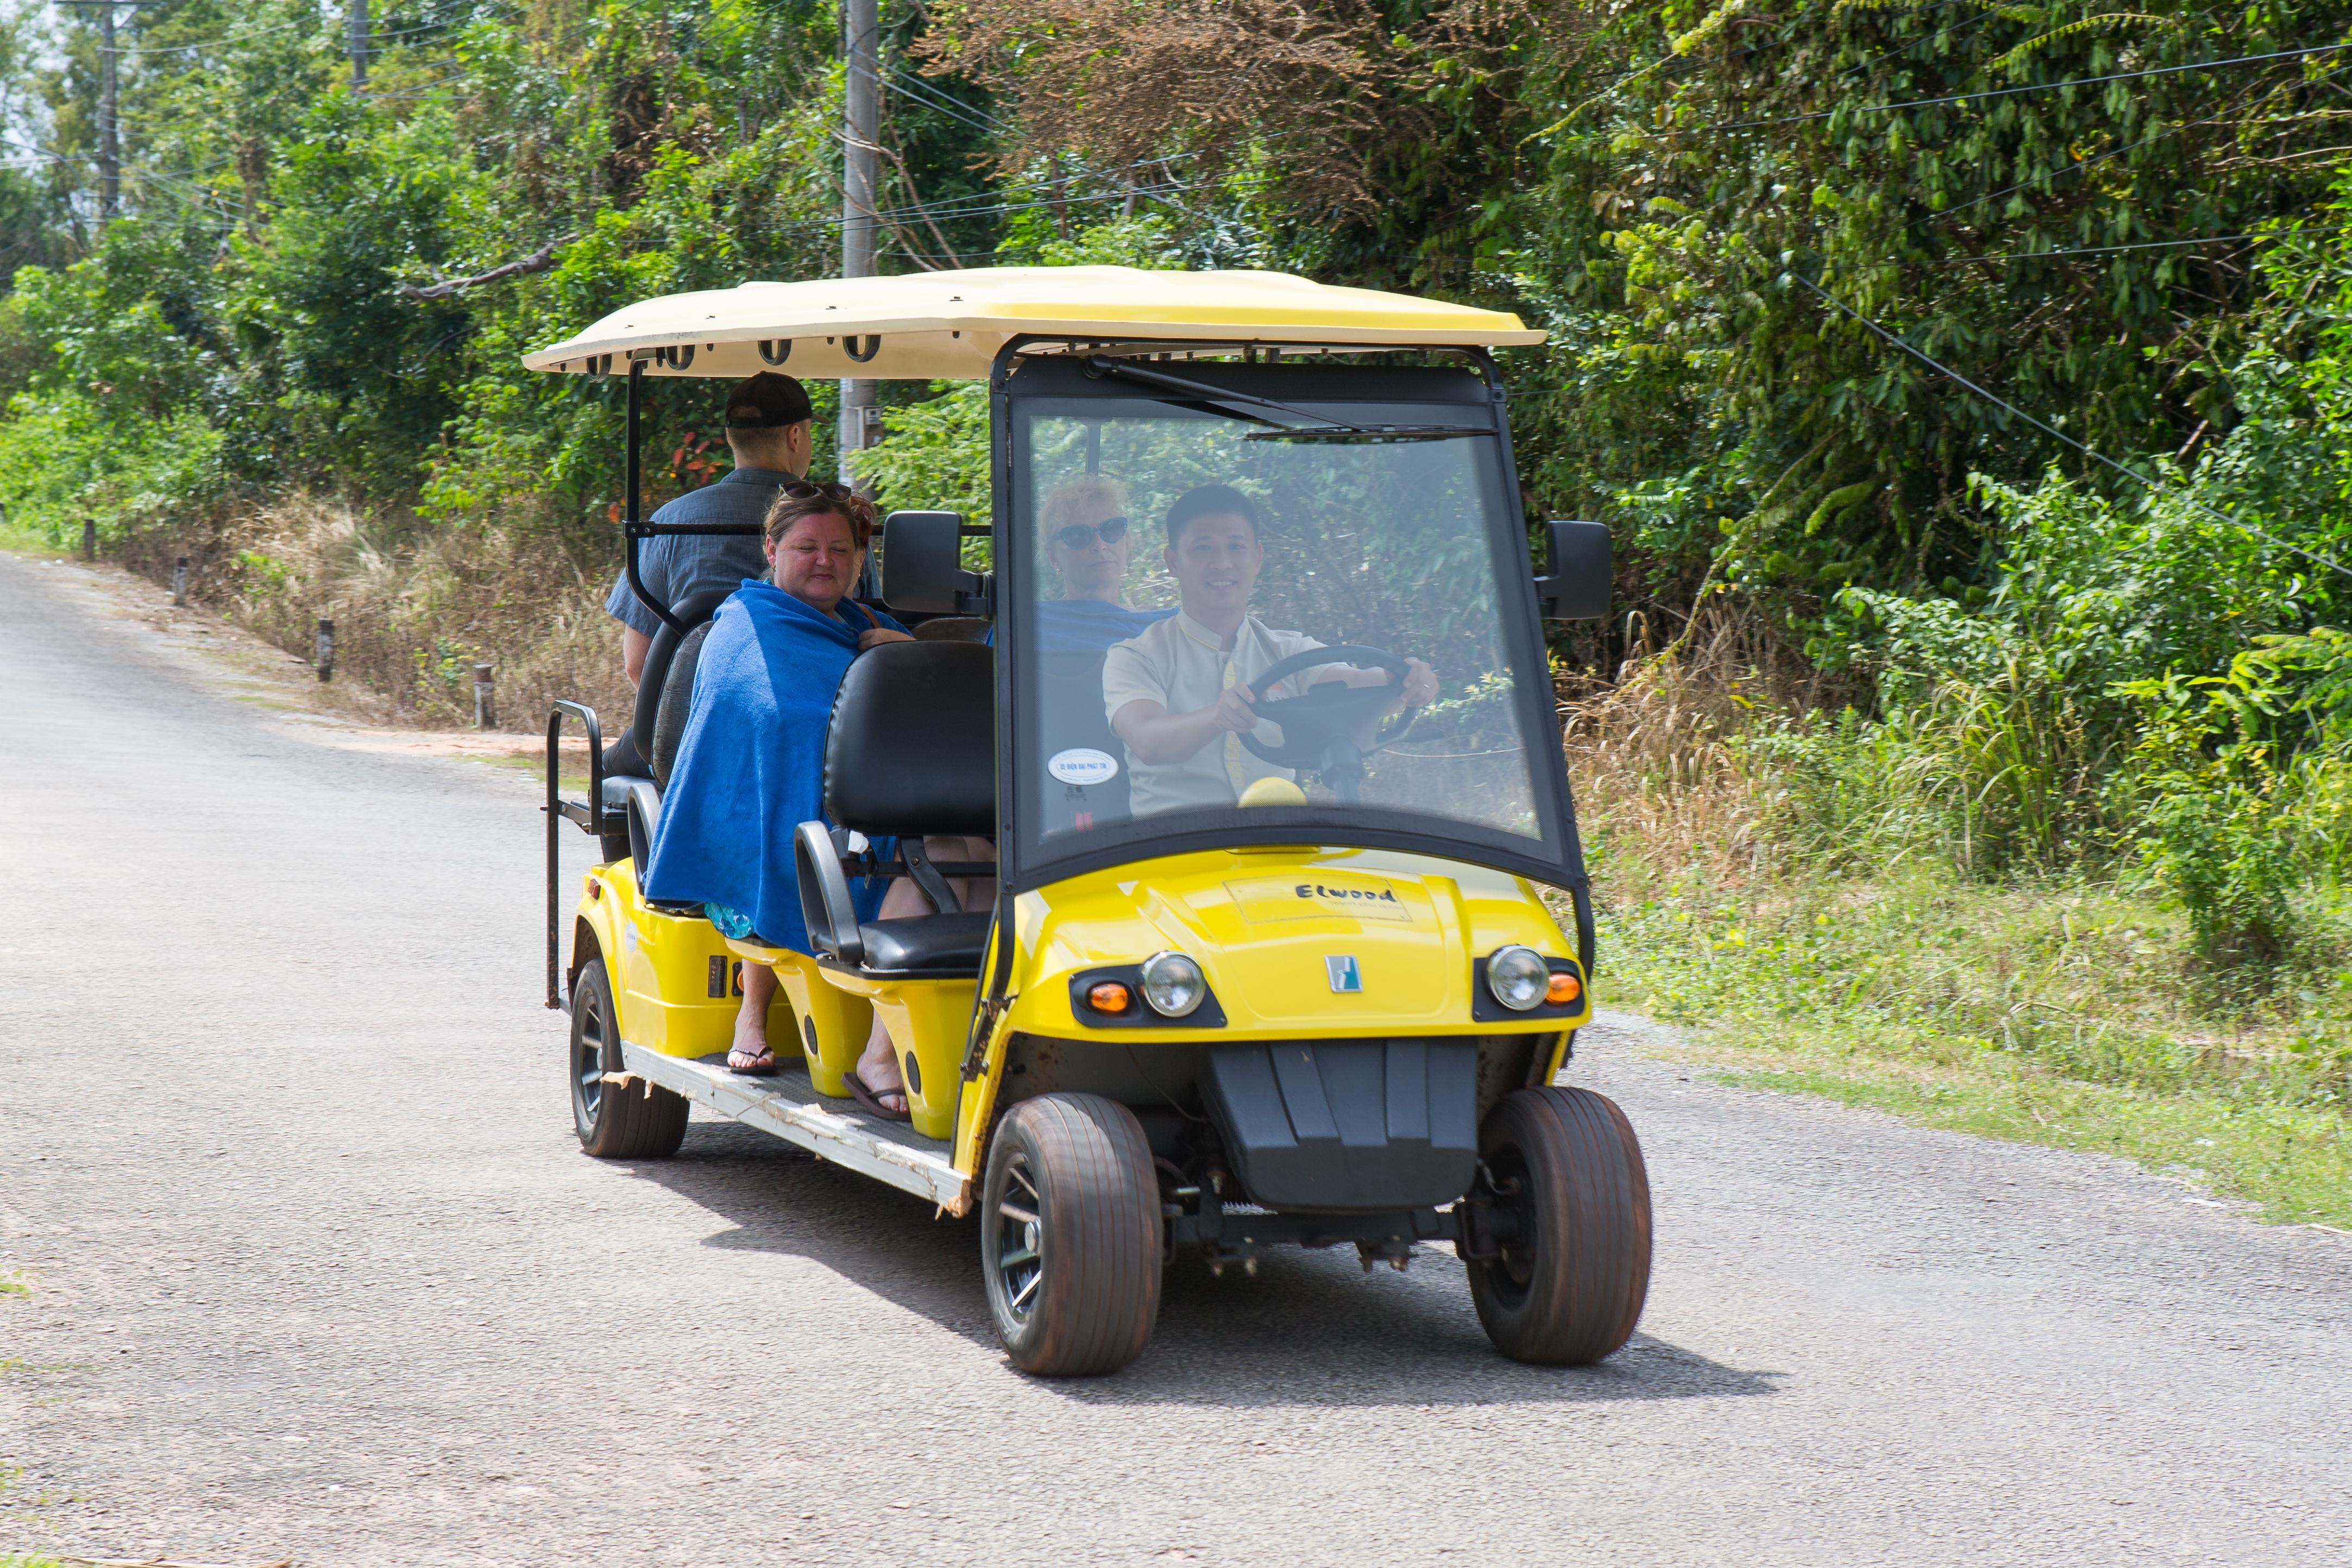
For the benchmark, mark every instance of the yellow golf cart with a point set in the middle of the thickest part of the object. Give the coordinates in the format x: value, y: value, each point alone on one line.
x: 1293, y: 987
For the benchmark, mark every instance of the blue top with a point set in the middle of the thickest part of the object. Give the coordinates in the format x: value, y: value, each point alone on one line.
x: 1089, y: 625
x: 750, y: 767
x: 681, y: 566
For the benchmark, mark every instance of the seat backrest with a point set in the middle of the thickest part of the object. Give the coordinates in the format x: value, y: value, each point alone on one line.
x: 913, y: 744
x: 652, y: 681
x: 676, y: 702
x: 953, y: 629
x: 1069, y: 719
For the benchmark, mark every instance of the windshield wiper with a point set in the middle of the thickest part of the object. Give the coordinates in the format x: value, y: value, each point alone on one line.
x: 1203, y: 393
x: 1370, y: 433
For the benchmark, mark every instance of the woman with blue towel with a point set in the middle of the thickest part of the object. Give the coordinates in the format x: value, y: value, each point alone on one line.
x: 750, y: 767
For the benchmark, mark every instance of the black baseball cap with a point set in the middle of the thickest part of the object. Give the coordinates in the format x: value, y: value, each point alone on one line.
x: 768, y: 401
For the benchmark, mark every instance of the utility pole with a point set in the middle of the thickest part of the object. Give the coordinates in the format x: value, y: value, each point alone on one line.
x: 358, y: 18
x: 110, y: 144
x: 860, y: 165
x: 110, y: 148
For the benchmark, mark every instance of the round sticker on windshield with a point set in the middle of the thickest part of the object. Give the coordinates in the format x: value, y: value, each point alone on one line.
x: 1082, y: 765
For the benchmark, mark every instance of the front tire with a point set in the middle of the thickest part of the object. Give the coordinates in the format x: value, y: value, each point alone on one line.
x: 631, y: 1121
x: 1564, y: 1180
x: 1070, y: 1236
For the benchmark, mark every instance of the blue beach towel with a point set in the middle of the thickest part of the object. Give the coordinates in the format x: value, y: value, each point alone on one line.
x: 750, y: 768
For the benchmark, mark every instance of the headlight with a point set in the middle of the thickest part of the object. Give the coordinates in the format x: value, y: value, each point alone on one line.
x: 1175, y: 984
x: 1518, y: 977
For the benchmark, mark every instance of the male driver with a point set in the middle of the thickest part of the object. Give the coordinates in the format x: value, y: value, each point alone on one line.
x: 768, y: 430
x: 1178, y: 695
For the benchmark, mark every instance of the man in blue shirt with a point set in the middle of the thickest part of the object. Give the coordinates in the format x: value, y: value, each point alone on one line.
x: 768, y: 430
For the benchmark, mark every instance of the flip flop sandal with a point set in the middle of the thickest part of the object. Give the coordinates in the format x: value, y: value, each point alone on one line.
x: 745, y: 1064
x: 871, y: 1098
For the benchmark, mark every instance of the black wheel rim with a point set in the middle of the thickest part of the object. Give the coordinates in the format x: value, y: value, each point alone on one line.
x: 1513, y: 1269
x: 588, y: 1059
x: 1017, y: 1256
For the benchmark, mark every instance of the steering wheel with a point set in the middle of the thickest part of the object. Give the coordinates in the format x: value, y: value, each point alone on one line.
x: 1320, y: 726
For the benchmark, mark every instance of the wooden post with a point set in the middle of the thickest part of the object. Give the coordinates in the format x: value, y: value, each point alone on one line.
x: 326, y: 656
x: 180, y: 584
x: 88, y: 539
x: 486, y: 713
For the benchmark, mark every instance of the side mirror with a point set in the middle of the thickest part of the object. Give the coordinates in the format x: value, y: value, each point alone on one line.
x: 923, y: 566
x: 1577, y: 586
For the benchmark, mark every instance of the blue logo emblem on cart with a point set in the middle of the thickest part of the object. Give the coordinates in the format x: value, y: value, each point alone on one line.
x: 1346, y: 977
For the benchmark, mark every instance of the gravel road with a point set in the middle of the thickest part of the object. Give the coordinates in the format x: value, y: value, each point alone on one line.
x: 317, y: 1271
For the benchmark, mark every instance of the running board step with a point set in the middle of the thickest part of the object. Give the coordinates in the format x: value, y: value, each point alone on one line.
x: 788, y: 1106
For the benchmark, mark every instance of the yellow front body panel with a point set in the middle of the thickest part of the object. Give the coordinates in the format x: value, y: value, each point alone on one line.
x: 1264, y: 924
x: 1261, y: 924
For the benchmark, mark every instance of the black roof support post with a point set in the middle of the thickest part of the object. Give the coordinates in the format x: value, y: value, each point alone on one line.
x: 634, y: 523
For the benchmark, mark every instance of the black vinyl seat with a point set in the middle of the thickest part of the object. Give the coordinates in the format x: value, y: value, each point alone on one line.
x: 676, y: 702
x: 911, y: 752
x: 633, y: 755
x: 638, y: 763
x: 929, y: 944
x: 1070, y: 715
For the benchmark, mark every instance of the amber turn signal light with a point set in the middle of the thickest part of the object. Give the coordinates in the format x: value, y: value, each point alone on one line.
x: 1107, y: 996
x: 1564, y: 989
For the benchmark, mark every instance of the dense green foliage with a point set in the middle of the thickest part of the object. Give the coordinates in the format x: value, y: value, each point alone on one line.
x: 2048, y: 667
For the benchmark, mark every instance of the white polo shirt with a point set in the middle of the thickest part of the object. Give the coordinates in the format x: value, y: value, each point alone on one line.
x: 1183, y: 666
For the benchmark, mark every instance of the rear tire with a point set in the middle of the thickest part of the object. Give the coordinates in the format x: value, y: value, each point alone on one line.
x: 631, y: 1121
x: 1574, y: 1200
x: 1070, y: 1236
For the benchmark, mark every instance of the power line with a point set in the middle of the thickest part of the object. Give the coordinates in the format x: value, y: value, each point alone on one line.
x: 2054, y: 432
x: 923, y: 85
x: 2145, y: 245
x: 215, y: 43
x: 930, y: 98
x: 990, y: 201
x: 902, y: 213
x: 2039, y: 87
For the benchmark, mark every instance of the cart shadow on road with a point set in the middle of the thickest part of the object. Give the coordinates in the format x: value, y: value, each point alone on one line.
x: 1309, y: 1329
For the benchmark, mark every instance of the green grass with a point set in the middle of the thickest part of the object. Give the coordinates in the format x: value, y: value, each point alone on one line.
x: 2062, y: 1015
x: 31, y: 543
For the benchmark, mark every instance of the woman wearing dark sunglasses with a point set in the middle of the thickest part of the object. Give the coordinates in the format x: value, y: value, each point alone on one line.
x: 1087, y: 544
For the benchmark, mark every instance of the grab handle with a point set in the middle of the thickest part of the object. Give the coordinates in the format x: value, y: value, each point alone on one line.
x: 587, y: 815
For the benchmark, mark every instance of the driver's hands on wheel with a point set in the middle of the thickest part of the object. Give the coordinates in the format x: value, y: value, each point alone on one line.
x: 1420, y: 686
x: 1234, y: 711
x: 1418, y: 689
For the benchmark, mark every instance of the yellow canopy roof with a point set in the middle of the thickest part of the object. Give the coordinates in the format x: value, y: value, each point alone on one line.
x: 949, y: 325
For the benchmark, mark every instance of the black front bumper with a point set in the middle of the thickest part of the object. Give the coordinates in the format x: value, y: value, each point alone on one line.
x: 1358, y: 1126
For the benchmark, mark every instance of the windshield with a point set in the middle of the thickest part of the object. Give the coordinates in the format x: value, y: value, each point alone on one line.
x: 1214, y: 623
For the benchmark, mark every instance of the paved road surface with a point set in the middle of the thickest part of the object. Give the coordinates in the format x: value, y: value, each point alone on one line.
x: 320, y: 1273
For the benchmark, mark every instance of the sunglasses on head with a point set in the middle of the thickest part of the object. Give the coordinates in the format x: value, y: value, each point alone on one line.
x: 1078, y: 536
x: 802, y: 489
